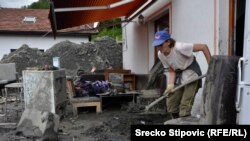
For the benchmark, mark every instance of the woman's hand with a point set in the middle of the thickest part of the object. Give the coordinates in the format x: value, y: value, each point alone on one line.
x: 169, y: 88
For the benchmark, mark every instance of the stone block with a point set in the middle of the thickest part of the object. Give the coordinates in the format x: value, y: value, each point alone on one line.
x: 44, y: 90
x: 36, y: 124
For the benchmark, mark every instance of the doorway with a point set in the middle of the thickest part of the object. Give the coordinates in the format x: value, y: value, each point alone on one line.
x: 240, y: 23
x: 161, y: 23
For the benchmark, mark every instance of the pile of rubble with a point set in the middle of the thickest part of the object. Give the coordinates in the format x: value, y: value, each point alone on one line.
x: 102, y: 53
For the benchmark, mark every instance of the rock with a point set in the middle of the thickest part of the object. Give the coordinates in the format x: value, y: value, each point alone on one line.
x: 36, y: 124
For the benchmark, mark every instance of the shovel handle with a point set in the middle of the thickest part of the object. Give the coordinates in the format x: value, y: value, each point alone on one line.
x: 175, y: 89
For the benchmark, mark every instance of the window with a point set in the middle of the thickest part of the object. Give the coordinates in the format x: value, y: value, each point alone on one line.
x: 162, y: 23
x: 29, y: 19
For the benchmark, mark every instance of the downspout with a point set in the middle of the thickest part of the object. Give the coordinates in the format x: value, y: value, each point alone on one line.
x: 231, y: 27
x: 215, y: 27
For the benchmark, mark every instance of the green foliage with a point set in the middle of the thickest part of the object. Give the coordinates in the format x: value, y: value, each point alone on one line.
x: 111, y: 30
x: 41, y: 4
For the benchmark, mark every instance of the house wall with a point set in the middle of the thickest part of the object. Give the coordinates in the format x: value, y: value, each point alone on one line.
x: 135, y: 48
x: 138, y: 52
x: 15, y: 42
x: 206, y: 22
x: 223, y: 40
x: 192, y: 21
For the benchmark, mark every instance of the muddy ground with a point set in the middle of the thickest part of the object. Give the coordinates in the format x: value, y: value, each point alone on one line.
x: 113, y: 124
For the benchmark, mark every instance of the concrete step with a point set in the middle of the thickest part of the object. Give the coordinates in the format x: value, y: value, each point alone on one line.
x: 183, y: 121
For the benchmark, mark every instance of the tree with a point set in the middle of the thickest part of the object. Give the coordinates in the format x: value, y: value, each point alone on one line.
x: 41, y: 4
x: 111, y: 28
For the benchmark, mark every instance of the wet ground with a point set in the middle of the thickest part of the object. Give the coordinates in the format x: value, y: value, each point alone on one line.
x: 113, y: 124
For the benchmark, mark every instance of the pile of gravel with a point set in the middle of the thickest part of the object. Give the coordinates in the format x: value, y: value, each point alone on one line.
x: 102, y: 53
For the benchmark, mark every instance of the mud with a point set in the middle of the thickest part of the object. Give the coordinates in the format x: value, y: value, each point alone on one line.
x: 102, y: 53
x: 113, y: 124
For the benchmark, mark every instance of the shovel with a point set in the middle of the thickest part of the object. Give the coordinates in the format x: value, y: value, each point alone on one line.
x: 171, y: 92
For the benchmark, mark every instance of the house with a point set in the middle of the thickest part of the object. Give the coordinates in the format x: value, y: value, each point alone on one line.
x: 32, y: 27
x: 217, y: 23
x: 211, y: 22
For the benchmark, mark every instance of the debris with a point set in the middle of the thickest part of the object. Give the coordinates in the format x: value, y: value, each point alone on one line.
x: 63, y: 133
x: 143, y: 122
x: 36, y: 124
x: 103, y: 53
x: 2, y: 100
x: 154, y: 75
x: 116, y: 118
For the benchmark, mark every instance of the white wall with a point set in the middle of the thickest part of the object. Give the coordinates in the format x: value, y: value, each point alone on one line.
x: 223, y: 41
x: 135, y: 48
x: 151, y: 49
x: 193, y: 22
x: 15, y: 42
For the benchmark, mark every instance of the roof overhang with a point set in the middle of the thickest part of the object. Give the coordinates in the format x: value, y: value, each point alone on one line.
x: 70, y: 13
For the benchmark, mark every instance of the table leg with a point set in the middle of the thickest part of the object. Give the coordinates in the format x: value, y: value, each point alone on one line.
x: 5, y: 108
x: 21, y: 98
